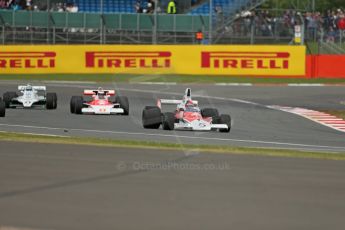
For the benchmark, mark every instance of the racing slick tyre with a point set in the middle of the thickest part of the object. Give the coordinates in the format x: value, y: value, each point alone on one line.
x: 72, y: 104
x: 225, y: 119
x: 78, y: 105
x: 168, y: 121
x: 50, y: 101
x: 7, y: 97
x: 151, y: 107
x: 55, y: 100
x: 152, y: 118
x: 209, y: 112
x: 124, y: 104
x: 2, y: 108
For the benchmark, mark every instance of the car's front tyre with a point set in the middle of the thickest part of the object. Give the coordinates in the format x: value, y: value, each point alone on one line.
x: 225, y: 119
x: 168, y: 122
x: 78, y: 103
x: 51, y: 101
x: 124, y: 104
x: 7, y: 98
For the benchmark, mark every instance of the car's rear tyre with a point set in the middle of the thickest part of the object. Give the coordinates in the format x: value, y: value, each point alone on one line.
x: 225, y: 119
x: 7, y: 98
x: 78, y: 105
x: 2, y: 108
x: 55, y: 100
x: 152, y: 118
x: 168, y: 122
x: 51, y: 101
x: 209, y: 112
x: 151, y: 107
x: 124, y: 104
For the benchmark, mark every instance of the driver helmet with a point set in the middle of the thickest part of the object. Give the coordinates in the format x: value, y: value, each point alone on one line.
x: 29, y: 87
x: 189, y: 103
x: 101, y: 91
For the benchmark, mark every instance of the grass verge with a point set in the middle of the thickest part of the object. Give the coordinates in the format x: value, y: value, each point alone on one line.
x: 167, y: 78
x: 337, y: 113
x: 17, y: 137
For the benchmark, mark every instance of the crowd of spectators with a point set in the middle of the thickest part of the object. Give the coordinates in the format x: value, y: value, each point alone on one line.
x: 147, y: 7
x: 18, y: 4
x: 327, y: 26
x: 68, y: 6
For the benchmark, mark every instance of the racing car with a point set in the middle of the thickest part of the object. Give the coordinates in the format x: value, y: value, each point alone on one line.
x: 187, y: 116
x: 30, y: 97
x: 2, y: 108
x: 100, y: 103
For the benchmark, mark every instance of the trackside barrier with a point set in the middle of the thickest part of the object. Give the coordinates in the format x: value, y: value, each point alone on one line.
x: 325, y: 66
x: 161, y: 59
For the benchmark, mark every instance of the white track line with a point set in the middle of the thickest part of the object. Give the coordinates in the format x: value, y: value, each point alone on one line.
x: 154, y: 83
x: 176, y: 136
x: 233, y: 84
x: 305, y: 84
x: 70, y: 82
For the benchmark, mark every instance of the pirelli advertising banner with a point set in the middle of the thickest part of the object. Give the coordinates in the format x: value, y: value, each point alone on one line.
x: 149, y: 59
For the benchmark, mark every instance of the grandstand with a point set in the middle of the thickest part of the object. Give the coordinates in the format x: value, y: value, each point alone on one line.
x: 228, y: 7
x: 116, y: 23
x: 119, y: 6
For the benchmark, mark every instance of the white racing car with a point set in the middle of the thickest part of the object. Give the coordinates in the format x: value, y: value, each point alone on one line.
x: 100, y: 103
x: 187, y: 116
x: 30, y: 97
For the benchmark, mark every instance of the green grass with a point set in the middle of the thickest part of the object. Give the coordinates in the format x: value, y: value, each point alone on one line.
x: 314, y: 48
x: 167, y: 78
x: 6, y: 136
x: 337, y: 113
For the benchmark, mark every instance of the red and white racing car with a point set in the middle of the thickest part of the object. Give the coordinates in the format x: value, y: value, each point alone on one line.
x: 100, y: 103
x: 187, y: 116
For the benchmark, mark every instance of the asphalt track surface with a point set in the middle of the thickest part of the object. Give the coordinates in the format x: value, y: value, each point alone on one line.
x: 254, y: 125
x: 82, y: 187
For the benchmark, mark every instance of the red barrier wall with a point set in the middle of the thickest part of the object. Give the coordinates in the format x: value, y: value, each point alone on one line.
x: 325, y: 66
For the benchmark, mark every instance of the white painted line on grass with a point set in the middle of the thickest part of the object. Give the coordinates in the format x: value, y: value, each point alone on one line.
x: 36, y: 134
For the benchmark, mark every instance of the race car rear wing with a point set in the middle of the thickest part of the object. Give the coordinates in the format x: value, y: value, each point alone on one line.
x: 90, y: 92
x: 187, y: 96
x: 171, y: 102
x: 38, y: 88
x: 174, y: 102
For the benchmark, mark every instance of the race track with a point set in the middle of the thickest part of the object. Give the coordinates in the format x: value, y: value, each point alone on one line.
x: 254, y: 124
x: 55, y: 186
x: 85, y: 187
